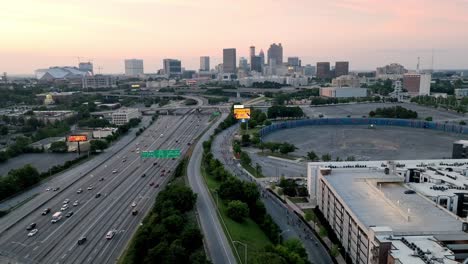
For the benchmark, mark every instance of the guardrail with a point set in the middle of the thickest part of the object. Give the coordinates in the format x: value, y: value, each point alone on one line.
x: 445, y: 127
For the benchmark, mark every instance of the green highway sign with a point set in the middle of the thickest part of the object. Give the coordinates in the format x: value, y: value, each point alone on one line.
x: 161, y: 154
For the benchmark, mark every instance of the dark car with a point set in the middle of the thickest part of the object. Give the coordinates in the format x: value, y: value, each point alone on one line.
x: 101, y: 179
x: 98, y: 195
x: 410, y: 192
x: 81, y: 240
x: 156, y: 186
x: 56, y: 189
x: 69, y: 214
x: 143, y: 175
x: 46, y: 211
x: 31, y: 226
x: 135, y: 212
x: 151, y: 184
x: 154, y: 164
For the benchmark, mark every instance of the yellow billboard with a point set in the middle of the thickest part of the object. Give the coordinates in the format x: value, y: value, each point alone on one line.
x: 242, y: 113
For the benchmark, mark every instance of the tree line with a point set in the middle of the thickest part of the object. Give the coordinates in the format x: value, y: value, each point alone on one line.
x: 281, y: 111
x: 394, y: 112
x: 168, y: 234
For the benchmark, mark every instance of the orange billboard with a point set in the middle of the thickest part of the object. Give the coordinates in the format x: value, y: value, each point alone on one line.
x: 77, y: 138
x: 242, y: 113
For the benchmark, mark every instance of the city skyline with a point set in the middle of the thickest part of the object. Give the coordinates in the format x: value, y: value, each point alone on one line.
x: 367, y: 33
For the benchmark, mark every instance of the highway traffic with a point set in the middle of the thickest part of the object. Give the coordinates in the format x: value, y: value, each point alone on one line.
x: 108, y: 203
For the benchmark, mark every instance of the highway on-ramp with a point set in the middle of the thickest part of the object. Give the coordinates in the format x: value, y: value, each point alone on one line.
x: 215, y: 239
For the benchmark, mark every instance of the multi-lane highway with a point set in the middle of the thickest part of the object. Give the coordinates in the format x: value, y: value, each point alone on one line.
x: 109, y: 194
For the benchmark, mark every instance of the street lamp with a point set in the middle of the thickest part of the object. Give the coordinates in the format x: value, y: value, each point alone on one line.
x: 245, y: 247
x: 279, y: 235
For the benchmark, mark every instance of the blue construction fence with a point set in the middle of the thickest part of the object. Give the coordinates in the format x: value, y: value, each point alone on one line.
x: 451, y: 128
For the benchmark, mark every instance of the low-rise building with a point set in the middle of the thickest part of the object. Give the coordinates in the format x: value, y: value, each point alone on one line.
x: 123, y: 115
x: 53, y: 116
x: 417, y: 83
x: 99, y: 82
x: 388, y: 212
x: 460, y: 93
x: 346, y: 81
x: 104, y: 132
x: 344, y: 92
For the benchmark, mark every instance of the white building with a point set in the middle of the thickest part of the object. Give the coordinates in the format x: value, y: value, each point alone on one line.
x: 293, y: 81
x: 417, y: 83
x: 123, y: 115
x: 99, y: 81
x: 133, y: 67
x: 376, y: 207
x: 392, y: 71
x: 459, y: 93
x: 161, y: 83
x: 344, y: 92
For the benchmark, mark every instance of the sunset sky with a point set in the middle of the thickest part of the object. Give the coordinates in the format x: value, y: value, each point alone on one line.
x: 368, y: 33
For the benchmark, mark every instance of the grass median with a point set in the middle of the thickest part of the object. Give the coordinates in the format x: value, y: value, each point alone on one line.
x: 247, y: 232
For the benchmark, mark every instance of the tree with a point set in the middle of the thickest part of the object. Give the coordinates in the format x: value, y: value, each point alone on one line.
x: 245, y: 139
x: 244, y: 158
x: 258, y: 169
x: 237, y: 210
x: 462, y: 123
x: 59, y: 146
x: 429, y: 118
x: 311, y: 155
x: 285, y: 148
x: 97, y: 144
x: 3, y: 130
x: 326, y: 157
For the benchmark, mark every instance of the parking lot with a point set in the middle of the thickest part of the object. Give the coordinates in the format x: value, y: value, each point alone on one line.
x: 359, y: 110
x: 364, y: 143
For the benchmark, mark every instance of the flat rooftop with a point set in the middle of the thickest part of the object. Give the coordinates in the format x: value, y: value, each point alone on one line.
x: 378, y: 199
x: 428, y: 244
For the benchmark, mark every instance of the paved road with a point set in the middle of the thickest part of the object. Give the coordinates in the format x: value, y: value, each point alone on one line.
x: 215, y: 239
x: 70, y: 175
x: 273, y: 167
x: 123, y: 184
x: 289, y: 223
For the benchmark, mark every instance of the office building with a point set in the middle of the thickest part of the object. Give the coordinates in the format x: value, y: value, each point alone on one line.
x: 323, y: 70
x: 388, y: 212
x: 243, y: 64
x: 204, y: 63
x: 86, y: 67
x: 133, y: 67
x: 460, y: 149
x: 341, y: 68
x: 417, y: 83
x: 256, y: 64
x: 460, y: 93
x: 262, y: 56
x: 252, y: 51
x: 309, y: 70
x: 188, y: 74
x: 294, y: 61
x: 172, y: 68
x: 99, y: 81
x: 275, y: 52
x: 346, y: 81
x: 123, y: 115
x: 392, y: 71
x: 229, y: 60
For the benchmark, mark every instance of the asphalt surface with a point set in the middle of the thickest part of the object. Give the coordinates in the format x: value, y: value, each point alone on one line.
x: 381, y: 143
x: 276, y: 167
x: 289, y: 223
x: 37, y: 161
x: 215, y: 239
x: 95, y: 217
x: 69, y: 176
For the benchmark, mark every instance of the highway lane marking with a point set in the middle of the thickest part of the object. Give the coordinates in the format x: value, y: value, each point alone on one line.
x: 35, y: 248
x: 26, y: 256
x: 63, y: 256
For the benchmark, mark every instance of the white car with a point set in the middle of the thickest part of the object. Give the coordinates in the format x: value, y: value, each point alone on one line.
x: 133, y: 204
x: 48, y: 189
x: 90, y: 188
x: 114, y: 171
x: 32, y: 233
x: 110, y: 234
x: 66, y: 201
x: 79, y: 191
x: 76, y: 203
x: 64, y: 207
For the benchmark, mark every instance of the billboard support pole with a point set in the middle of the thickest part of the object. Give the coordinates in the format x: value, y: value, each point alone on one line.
x: 79, y: 151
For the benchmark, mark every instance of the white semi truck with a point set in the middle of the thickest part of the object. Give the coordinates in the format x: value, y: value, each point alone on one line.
x: 56, y: 217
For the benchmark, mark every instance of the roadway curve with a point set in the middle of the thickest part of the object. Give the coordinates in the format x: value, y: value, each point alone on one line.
x: 289, y: 223
x: 215, y: 239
